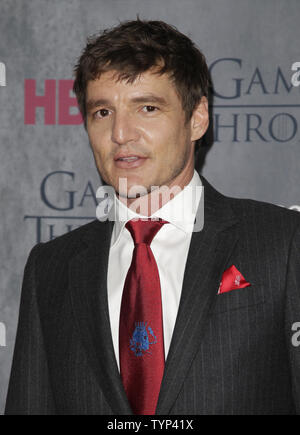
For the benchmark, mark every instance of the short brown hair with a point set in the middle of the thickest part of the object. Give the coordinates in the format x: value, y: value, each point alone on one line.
x: 134, y: 47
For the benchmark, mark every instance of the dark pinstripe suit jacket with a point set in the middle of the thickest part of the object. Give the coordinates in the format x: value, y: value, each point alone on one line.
x: 230, y: 353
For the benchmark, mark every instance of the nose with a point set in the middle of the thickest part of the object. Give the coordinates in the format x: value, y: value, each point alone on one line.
x: 123, y: 129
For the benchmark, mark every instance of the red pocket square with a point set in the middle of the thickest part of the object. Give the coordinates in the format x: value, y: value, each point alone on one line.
x: 232, y: 279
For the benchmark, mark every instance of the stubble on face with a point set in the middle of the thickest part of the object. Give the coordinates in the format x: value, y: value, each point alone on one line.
x: 163, y: 137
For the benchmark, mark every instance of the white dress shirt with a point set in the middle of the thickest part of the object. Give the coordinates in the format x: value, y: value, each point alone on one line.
x: 170, y: 248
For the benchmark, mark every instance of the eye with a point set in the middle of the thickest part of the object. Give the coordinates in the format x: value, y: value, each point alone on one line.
x: 149, y: 109
x: 102, y: 113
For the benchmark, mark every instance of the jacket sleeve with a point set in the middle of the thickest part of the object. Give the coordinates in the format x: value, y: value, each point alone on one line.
x: 292, y: 315
x: 29, y: 391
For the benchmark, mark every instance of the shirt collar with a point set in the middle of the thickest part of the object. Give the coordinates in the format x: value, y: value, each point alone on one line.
x: 180, y: 211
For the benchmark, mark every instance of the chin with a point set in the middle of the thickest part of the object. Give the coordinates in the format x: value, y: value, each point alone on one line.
x: 135, y: 191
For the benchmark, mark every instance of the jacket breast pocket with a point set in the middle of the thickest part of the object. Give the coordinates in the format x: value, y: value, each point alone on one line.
x: 239, y: 298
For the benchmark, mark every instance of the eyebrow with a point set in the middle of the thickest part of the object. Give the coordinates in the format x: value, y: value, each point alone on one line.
x: 147, y: 98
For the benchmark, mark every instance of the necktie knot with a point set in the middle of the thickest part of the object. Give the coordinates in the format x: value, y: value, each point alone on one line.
x: 144, y: 231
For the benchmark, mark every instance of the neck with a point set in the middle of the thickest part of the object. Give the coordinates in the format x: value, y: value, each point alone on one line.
x: 148, y: 204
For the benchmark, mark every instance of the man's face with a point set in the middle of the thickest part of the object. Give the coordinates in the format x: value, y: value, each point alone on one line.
x: 143, y: 119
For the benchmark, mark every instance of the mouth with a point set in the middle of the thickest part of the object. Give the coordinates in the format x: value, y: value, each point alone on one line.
x: 130, y: 162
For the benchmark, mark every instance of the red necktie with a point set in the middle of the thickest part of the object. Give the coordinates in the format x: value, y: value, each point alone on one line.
x: 141, y: 342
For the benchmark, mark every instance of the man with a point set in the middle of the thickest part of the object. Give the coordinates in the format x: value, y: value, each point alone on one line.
x: 158, y: 311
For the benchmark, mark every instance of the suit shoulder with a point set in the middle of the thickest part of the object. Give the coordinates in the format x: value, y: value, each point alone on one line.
x: 69, y: 241
x: 266, y: 215
x: 249, y: 210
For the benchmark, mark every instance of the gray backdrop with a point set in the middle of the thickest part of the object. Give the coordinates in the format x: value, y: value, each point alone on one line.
x: 47, y: 174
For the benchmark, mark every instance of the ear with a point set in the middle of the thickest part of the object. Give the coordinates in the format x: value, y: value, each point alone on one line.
x: 200, y: 120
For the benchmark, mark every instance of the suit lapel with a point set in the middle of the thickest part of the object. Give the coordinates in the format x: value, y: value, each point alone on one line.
x: 208, y: 255
x: 88, y: 289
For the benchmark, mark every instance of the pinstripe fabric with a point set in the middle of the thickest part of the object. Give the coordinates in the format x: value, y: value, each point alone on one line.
x: 230, y: 353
